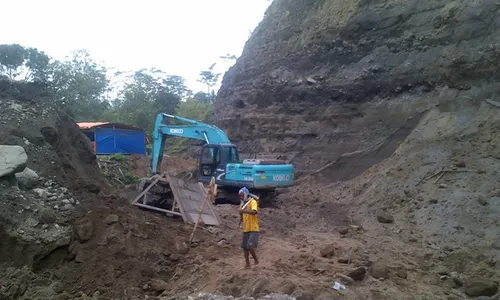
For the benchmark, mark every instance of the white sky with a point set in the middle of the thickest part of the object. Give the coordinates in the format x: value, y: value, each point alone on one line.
x: 181, y: 37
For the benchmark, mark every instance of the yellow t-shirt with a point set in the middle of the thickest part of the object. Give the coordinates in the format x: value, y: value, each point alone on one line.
x: 250, y: 222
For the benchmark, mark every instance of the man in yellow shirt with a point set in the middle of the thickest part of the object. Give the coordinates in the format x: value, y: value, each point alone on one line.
x: 248, y: 216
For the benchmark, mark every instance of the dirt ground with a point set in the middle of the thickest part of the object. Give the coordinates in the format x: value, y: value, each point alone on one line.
x: 401, y: 228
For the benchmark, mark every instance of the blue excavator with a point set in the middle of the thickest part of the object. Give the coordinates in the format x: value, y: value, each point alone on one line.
x: 219, y: 158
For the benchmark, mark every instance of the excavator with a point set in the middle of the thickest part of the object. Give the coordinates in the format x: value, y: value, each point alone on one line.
x: 219, y: 158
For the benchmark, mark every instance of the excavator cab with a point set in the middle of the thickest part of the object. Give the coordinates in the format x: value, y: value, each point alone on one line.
x: 214, y: 159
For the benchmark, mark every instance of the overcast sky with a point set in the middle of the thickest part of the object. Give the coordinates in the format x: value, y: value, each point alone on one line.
x: 181, y: 37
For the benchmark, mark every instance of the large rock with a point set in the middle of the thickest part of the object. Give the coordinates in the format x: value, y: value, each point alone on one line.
x: 83, y: 229
x: 385, y: 218
x: 357, y: 274
x: 27, y: 178
x: 41, y: 193
x: 181, y: 247
x: 158, y: 285
x: 475, y: 288
x: 13, y: 159
x: 327, y: 251
x: 111, y: 219
x: 379, y: 270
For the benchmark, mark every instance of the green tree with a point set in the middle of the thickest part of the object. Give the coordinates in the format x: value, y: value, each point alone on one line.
x: 203, y: 97
x: 80, y: 86
x: 176, y: 85
x: 37, y: 64
x: 11, y: 59
x: 192, y: 109
x: 16, y: 60
x: 146, y: 93
x: 209, y: 78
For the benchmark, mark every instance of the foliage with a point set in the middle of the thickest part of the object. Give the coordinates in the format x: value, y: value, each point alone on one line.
x: 192, y: 109
x: 79, y: 86
x: 204, y: 97
x: 37, y: 64
x: 146, y: 93
x: 15, y: 59
x: 117, y: 157
x: 129, y: 179
x: 11, y: 59
x: 84, y: 89
x: 209, y: 77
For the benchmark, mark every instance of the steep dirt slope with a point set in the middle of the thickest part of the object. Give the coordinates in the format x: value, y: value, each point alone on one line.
x: 319, y: 75
x: 370, y: 100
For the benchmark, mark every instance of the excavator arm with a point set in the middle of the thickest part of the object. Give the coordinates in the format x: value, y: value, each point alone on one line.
x: 193, y: 130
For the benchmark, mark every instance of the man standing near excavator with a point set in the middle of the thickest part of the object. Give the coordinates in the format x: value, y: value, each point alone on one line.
x: 248, y: 216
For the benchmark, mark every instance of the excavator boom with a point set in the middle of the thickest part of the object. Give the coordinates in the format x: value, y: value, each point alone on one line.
x: 194, y: 130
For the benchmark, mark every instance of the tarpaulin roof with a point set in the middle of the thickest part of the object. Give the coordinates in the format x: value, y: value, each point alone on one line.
x: 92, y: 125
x: 88, y: 125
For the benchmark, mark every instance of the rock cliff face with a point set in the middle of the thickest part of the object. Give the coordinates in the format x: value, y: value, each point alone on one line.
x: 321, y: 78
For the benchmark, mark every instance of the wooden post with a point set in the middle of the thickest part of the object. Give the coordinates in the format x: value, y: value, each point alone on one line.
x: 210, y: 194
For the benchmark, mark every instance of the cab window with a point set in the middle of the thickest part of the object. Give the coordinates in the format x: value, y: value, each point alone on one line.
x: 217, y: 156
x: 210, y: 156
x: 207, y: 156
x: 233, y: 155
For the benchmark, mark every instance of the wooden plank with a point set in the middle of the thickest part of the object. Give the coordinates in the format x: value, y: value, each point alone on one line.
x: 211, y: 207
x: 176, y: 198
x: 189, y: 197
x: 143, y: 193
x: 200, y: 213
x: 158, y: 209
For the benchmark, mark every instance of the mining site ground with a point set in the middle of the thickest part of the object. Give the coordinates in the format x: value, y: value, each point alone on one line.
x: 416, y: 219
x: 390, y: 113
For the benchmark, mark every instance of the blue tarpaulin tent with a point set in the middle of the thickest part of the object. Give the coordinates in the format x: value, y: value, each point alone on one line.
x: 114, y: 138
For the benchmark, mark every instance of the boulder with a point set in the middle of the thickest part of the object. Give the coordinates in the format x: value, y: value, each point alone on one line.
x: 475, y: 288
x: 379, y: 270
x: 13, y: 159
x: 41, y: 193
x: 327, y: 251
x: 83, y: 230
x: 27, y: 178
x: 357, y: 274
x: 343, y: 260
x: 402, y: 274
x: 111, y: 219
x: 158, y: 285
x: 343, y: 231
x: 182, y: 247
x: 482, y: 200
x: 47, y: 216
x: 385, y: 218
